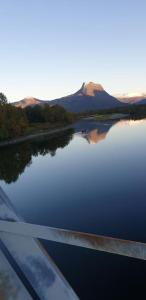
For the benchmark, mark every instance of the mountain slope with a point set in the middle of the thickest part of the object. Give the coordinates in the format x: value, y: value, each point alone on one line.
x: 90, y: 97
x: 29, y: 101
x: 141, y: 102
x: 131, y: 98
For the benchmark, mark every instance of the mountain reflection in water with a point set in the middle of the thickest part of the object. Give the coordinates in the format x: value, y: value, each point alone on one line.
x: 14, y: 159
x: 92, y: 130
x: 94, y: 135
x: 98, y: 188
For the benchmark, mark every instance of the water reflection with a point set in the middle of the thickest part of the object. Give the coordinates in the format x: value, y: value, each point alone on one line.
x: 93, y: 188
x: 14, y: 159
x: 132, y: 122
x: 93, y: 136
x: 97, y: 132
x: 94, y: 131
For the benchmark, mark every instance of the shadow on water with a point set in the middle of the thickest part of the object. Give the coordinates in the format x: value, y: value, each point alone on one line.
x: 14, y: 159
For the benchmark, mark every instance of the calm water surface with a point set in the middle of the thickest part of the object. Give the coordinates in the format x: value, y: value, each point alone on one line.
x: 91, y: 179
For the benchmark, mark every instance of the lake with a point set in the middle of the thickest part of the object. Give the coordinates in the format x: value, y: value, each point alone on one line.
x: 91, y: 178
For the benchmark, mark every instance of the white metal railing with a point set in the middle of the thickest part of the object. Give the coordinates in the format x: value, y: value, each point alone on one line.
x: 22, y: 251
x: 86, y: 240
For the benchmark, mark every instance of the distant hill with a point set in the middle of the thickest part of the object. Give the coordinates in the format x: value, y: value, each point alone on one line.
x: 89, y: 97
x: 131, y: 98
x: 141, y: 102
x: 29, y: 101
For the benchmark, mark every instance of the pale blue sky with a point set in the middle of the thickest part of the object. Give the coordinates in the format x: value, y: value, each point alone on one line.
x: 49, y: 47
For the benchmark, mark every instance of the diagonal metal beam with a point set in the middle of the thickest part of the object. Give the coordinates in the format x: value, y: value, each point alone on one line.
x: 11, y: 287
x: 38, y: 271
x: 86, y: 240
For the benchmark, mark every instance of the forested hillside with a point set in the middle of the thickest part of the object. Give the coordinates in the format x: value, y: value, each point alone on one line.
x: 15, y: 122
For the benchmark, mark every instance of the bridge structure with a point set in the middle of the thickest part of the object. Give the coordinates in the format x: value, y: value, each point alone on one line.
x: 26, y: 269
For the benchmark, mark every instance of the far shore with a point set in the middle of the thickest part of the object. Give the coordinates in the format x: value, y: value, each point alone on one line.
x: 48, y: 132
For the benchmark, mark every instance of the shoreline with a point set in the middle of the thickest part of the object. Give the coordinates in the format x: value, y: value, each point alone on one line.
x: 33, y: 136
x: 57, y: 130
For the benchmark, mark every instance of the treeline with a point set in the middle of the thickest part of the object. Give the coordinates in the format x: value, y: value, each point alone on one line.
x: 15, y: 122
x: 47, y: 113
x: 134, y: 111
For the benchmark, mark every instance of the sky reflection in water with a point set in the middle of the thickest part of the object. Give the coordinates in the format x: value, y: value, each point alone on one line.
x: 92, y: 181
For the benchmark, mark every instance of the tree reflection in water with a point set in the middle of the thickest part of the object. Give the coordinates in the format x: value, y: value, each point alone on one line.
x: 14, y: 159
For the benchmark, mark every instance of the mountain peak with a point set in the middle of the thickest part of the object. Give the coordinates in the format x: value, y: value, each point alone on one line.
x: 28, y: 101
x: 90, y: 97
x: 91, y: 88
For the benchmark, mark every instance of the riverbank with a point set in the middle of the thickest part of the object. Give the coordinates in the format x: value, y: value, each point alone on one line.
x: 114, y: 116
x: 45, y: 132
x: 33, y: 136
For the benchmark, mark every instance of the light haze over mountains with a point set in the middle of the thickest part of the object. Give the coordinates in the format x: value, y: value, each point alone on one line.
x: 132, y: 98
x: 91, y: 96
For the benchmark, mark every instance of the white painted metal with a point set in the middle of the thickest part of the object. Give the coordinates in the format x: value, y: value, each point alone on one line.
x: 86, y: 240
x: 34, y: 262
x: 11, y: 287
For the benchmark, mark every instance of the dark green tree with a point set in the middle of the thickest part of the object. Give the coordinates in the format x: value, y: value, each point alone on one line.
x: 13, y: 122
x: 3, y: 99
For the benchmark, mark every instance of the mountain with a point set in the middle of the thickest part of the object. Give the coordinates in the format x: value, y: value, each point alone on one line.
x: 131, y: 98
x: 141, y: 102
x: 28, y: 101
x: 89, y: 97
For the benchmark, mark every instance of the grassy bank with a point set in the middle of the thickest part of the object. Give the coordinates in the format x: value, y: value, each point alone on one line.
x: 39, y: 127
x: 133, y: 111
x: 17, y: 122
x: 110, y: 116
x: 33, y: 134
x: 13, y: 119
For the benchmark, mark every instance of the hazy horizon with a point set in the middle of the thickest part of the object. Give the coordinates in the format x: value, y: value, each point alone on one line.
x: 50, y: 48
x: 130, y: 94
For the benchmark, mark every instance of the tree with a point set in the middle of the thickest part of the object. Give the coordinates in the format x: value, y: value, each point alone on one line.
x: 3, y: 99
x: 34, y: 114
x: 13, y: 122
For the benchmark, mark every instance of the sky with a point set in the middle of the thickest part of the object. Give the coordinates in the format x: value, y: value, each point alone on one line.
x: 48, y: 48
